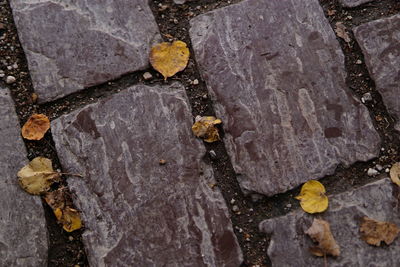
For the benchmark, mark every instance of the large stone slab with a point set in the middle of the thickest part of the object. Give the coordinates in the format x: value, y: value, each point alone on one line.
x: 354, y: 3
x: 137, y: 211
x: 289, y: 245
x: 380, y: 43
x: 276, y: 74
x: 23, y: 233
x: 72, y: 44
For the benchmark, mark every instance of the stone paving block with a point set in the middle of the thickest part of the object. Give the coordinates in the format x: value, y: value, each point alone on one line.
x: 137, y: 211
x: 380, y: 43
x: 23, y: 232
x: 353, y: 3
x: 379, y: 200
x: 71, y: 45
x: 276, y: 74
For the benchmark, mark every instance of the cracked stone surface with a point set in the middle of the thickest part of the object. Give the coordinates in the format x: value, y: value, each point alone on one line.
x: 378, y: 200
x: 276, y: 74
x: 380, y: 43
x: 23, y: 233
x: 71, y: 45
x: 138, y: 212
x: 353, y: 3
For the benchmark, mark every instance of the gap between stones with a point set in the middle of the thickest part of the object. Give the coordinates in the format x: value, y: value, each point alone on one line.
x: 173, y: 21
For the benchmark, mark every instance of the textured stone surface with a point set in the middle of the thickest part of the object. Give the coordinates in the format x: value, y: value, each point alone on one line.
x: 380, y: 201
x: 353, y: 3
x: 71, y: 44
x: 23, y: 233
x: 380, y: 42
x: 138, y: 212
x: 276, y: 74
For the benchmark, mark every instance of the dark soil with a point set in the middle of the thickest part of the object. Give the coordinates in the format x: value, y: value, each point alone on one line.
x: 66, y: 249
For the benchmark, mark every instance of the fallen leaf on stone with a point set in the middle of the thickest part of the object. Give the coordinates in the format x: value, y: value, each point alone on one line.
x: 169, y: 58
x: 36, y: 127
x: 320, y: 232
x: 61, y: 204
x: 341, y: 32
x: 374, y: 232
x: 395, y: 173
x: 312, y: 197
x: 204, y: 127
x: 37, y: 177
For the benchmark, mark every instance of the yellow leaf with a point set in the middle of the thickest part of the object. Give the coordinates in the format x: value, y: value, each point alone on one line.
x: 395, y: 173
x: 374, y: 232
x: 60, y: 201
x: 36, y: 127
x: 312, y: 197
x: 37, y: 177
x: 320, y: 232
x: 169, y: 58
x: 204, y: 127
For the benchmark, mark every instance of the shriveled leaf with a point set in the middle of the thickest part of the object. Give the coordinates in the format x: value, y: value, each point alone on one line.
x: 37, y: 177
x: 341, y: 32
x: 36, y: 127
x: 320, y: 232
x: 69, y: 218
x: 395, y: 173
x: 312, y: 197
x: 204, y: 127
x: 169, y: 58
x: 61, y: 203
x: 374, y: 232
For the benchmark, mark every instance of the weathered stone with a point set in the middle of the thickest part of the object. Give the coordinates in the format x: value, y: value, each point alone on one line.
x: 71, y: 45
x: 23, y: 233
x: 138, y: 212
x: 353, y: 3
x: 276, y: 74
x: 380, y: 201
x: 380, y: 43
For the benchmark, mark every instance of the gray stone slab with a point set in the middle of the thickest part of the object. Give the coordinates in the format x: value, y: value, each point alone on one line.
x: 23, y: 232
x: 380, y: 201
x: 71, y: 45
x: 380, y: 43
x: 138, y: 212
x: 276, y: 74
x: 353, y: 3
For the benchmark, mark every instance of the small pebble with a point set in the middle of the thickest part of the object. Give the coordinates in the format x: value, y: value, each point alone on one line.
x: 235, y: 208
x: 71, y: 238
x: 372, y: 172
x: 289, y: 205
x: 10, y: 79
x: 379, y: 167
x: 176, y: 21
x: 366, y: 97
x: 232, y: 201
x: 195, y: 82
x: 212, y: 153
x: 147, y: 76
x: 387, y: 170
x: 358, y: 62
x: 205, y: 96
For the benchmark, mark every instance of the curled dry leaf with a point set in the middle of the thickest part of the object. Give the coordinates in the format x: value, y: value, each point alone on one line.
x: 395, y: 173
x: 169, y: 58
x: 61, y: 203
x: 341, y: 32
x: 312, y: 197
x: 36, y: 127
x: 37, y: 177
x: 374, y: 232
x: 204, y: 127
x: 320, y: 232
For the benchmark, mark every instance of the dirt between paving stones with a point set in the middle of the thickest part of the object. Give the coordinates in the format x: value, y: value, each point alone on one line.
x: 66, y: 249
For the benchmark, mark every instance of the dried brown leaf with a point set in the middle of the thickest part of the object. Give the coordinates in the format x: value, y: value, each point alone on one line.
x: 374, y: 232
x: 320, y: 232
x: 341, y: 32
x: 36, y: 127
x: 204, y: 127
